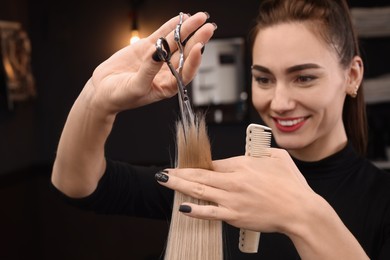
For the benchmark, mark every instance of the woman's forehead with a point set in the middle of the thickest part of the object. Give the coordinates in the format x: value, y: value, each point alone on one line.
x: 291, y: 41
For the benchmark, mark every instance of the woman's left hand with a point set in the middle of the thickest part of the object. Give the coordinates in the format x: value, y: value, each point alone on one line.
x: 261, y: 194
x: 267, y: 194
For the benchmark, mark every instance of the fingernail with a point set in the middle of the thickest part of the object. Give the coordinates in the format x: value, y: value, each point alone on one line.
x: 207, y: 14
x: 189, y: 15
x: 215, y: 26
x: 185, y: 209
x: 156, y: 57
x: 202, y: 50
x: 161, y: 176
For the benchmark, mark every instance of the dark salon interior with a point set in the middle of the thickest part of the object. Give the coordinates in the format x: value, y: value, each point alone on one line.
x: 63, y: 42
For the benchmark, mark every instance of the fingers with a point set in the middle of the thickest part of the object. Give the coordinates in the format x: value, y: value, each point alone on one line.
x: 209, y: 212
x: 192, y: 63
x: 278, y: 153
x: 166, y: 28
x: 189, y: 27
x: 196, y: 190
x: 201, y: 35
x: 228, y: 165
x: 193, y: 51
x: 150, y: 67
x: 215, y: 179
x: 233, y: 163
x: 200, y: 187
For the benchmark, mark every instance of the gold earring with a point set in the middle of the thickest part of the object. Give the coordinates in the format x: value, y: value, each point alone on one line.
x: 354, y: 94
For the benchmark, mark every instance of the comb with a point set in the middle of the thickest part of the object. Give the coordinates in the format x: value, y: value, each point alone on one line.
x: 258, y: 138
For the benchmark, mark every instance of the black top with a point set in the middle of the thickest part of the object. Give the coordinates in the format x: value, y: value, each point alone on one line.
x: 357, y: 190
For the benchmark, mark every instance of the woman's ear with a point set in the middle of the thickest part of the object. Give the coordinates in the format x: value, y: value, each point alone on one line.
x: 355, y: 76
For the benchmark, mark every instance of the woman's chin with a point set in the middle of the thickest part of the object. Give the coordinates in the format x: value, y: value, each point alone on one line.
x: 290, y: 143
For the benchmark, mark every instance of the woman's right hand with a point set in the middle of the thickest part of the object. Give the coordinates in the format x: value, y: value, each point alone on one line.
x: 128, y: 79
x: 132, y: 78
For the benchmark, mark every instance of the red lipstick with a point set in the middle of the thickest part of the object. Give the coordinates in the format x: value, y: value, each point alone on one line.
x: 289, y: 124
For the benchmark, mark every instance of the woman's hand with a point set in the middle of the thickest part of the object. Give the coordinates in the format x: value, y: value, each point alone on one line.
x: 266, y: 194
x: 253, y: 193
x: 131, y: 78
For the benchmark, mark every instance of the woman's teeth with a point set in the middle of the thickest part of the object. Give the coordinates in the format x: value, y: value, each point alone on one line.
x: 290, y: 122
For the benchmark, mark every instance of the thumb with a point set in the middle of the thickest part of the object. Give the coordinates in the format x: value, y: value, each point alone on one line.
x: 148, y: 69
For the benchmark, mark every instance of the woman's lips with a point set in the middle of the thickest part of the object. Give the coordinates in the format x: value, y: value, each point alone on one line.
x: 289, y: 124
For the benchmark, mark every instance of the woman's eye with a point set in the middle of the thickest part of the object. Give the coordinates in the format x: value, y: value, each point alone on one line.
x: 305, y: 79
x: 262, y: 81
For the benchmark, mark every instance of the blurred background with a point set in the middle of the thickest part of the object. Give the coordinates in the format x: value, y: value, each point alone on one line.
x: 59, y: 43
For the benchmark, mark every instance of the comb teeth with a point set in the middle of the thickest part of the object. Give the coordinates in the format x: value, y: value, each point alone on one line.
x: 258, y: 138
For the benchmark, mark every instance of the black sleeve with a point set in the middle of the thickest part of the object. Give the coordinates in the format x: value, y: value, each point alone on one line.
x: 385, y: 250
x: 385, y: 253
x: 127, y: 190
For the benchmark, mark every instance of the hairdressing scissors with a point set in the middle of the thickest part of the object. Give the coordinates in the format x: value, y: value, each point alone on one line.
x: 165, y: 55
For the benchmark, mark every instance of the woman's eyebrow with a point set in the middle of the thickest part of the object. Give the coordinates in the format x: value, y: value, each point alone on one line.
x: 302, y: 67
x: 289, y: 70
x: 261, y: 68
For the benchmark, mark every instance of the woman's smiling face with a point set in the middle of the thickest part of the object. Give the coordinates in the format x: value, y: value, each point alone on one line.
x: 299, y: 88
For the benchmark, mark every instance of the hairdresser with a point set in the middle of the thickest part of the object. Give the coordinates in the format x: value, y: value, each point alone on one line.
x: 314, y: 197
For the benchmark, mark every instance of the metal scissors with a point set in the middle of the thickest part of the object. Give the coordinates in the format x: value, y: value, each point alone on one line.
x: 164, y: 53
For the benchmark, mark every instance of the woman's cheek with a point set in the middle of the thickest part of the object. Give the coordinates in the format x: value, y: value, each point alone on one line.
x: 259, y: 101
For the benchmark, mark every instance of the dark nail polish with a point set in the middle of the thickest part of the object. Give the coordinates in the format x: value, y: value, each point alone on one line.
x: 161, y: 176
x: 185, y: 42
x: 156, y: 57
x: 185, y: 209
x: 202, y: 50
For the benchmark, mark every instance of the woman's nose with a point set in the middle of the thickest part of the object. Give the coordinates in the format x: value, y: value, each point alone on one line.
x: 282, y: 100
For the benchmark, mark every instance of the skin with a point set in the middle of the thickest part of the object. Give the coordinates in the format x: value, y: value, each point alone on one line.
x: 296, y: 76
x: 128, y: 79
x: 263, y: 194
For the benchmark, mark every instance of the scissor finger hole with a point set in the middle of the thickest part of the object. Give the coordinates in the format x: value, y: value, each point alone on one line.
x: 163, y: 50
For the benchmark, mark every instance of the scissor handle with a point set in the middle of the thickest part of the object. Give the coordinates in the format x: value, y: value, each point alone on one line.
x: 177, y: 37
x: 164, y: 53
x: 163, y: 50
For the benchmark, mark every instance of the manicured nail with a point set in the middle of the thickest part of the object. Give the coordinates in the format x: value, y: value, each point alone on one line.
x: 189, y: 15
x: 202, y: 50
x: 156, y: 57
x: 161, y: 176
x: 185, y: 209
x: 207, y: 14
x: 215, y: 26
